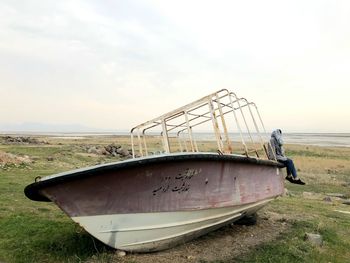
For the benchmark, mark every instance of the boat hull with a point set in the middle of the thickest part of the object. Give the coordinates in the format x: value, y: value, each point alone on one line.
x: 147, y: 232
x: 154, y: 203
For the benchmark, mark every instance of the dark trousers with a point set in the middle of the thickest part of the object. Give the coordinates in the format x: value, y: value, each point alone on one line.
x: 290, y: 167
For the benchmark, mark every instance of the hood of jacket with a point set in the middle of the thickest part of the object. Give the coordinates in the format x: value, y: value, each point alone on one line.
x: 277, y: 135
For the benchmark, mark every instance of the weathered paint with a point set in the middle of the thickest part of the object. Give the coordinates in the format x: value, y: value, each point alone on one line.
x: 169, y: 199
x: 166, y: 187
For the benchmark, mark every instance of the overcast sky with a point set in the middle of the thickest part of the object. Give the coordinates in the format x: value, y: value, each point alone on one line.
x: 114, y: 64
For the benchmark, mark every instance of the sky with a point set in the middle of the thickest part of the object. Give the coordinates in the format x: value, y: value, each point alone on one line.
x: 111, y: 65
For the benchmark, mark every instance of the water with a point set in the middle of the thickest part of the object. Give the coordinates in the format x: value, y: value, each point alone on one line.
x: 319, y: 139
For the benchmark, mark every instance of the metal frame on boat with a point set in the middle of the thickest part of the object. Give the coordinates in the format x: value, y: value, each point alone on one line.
x: 214, y: 108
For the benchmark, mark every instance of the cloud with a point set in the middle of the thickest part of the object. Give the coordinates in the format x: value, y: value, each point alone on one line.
x: 75, y: 61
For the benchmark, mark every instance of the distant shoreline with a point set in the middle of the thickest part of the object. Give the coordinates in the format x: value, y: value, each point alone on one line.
x: 55, y: 133
x: 317, y: 139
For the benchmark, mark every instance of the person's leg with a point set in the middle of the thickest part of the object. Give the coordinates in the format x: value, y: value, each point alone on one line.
x: 286, y: 164
x: 291, y: 168
x: 289, y: 173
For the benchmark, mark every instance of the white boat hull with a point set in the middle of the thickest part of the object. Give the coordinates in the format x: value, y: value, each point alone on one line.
x: 145, y: 232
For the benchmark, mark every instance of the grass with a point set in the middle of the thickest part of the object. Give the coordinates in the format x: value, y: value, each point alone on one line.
x: 313, y: 217
x: 40, y: 232
x: 33, y: 238
x: 326, y: 170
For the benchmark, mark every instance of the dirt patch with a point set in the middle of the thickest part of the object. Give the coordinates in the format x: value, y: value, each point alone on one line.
x: 226, y: 243
x: 9, y: 158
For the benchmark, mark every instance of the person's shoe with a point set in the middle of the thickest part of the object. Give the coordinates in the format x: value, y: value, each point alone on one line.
x: 298, y: 181
x: 290, y: 179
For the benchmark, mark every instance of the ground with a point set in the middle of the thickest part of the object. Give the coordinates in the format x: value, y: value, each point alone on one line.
x: 224, y: 244
x: 40, y: 232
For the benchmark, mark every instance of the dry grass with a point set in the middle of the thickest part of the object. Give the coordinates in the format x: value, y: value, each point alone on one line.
x: 8, y: 158
x: 40, y: 232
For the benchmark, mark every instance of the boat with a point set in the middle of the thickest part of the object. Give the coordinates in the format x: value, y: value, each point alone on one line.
x: 172, y: 190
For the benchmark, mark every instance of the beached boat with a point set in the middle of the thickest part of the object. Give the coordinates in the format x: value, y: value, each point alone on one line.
x: 168, y: 195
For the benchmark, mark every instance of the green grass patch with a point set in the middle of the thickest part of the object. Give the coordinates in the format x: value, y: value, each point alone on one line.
x: 33, y: 238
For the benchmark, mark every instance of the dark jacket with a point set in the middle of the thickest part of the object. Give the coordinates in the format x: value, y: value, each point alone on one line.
x: 277, y: 146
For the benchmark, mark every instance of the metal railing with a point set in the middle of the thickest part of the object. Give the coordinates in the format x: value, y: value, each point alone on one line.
x: 223, y: 109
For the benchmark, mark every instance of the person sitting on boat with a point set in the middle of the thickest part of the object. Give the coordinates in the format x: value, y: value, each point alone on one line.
x: 276, y: 142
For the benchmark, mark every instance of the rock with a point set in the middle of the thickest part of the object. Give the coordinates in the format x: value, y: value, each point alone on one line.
x: 336, y: 195
x: 113, y: 149
x: 123, y: 152
x: 20, y: 139
x: 100, y: 151
x: 121, y: 253
x: 119, y: 150
x: 346, y: 202
x: 327, y: 199
x: 93, y: 150
x: 314, y: 239
x: 109, y: 148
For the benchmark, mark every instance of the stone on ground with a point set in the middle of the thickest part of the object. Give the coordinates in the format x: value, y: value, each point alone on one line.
x: 314, y: 239
x: 121, y: 253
